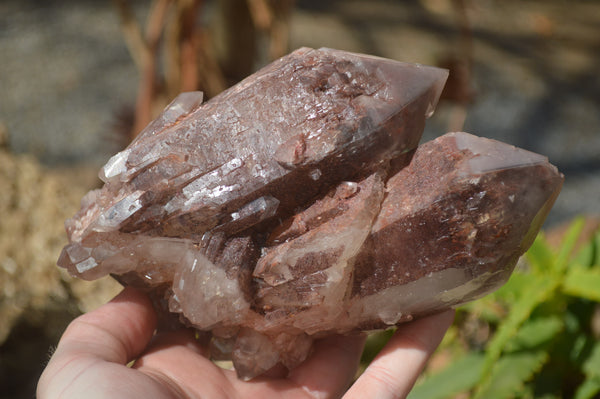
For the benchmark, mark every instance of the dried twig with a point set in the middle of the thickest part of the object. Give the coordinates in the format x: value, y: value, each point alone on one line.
x: 458, y: 88
x: 172, y: 31
x: 261, y: 13
x: 132, y: 32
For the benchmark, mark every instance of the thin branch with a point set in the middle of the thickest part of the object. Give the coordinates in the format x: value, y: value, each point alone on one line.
x: 156, y: 21
x: 133, y: 34
x: 261, y: 14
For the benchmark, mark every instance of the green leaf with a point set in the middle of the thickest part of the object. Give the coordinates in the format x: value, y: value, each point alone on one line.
x: 545, y: 396
x: 583, y: 283
x: 536, y: 333
x: 576, y: 348
x: 512, y: 372
x: 487, y: 309
x: 537, y: 292
x: 596, y: 240
x: 588, y: 389
x: 514, y: 288
x: 586, y: 255
x: 540, y: 256
x: 460, y: 376
x: 591, y: 366
x: 492, y: 307
x: 568, y: 244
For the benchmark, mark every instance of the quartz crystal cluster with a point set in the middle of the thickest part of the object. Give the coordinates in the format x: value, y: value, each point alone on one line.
x: 297, y: 204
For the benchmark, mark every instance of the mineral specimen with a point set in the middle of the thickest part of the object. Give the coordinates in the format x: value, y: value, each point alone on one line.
x: 295, y: 205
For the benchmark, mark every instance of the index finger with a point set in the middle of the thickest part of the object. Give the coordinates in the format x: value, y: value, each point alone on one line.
x: 394, y: 371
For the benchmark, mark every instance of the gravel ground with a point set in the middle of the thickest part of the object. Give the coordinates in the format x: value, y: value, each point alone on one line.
x: 65, y: 72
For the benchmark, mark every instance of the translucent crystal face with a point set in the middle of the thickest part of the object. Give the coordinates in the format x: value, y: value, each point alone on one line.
x: 491, y: 155
x: 295, y: 205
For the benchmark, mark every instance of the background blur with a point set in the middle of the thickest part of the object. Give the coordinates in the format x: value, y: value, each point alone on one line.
x: 79, y: 78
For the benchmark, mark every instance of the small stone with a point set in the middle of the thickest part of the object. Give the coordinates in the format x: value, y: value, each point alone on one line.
x: 296, y: 205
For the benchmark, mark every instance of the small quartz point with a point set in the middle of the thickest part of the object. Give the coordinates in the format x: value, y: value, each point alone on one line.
x: 296, y: 204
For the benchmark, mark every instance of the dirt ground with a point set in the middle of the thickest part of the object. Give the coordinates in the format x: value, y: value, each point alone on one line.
x: 526, y: 70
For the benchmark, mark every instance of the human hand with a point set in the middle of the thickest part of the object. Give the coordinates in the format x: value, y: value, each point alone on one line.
x: 91, y: 357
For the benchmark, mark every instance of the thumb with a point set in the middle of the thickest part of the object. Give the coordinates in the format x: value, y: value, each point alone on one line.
x: 116, y: 332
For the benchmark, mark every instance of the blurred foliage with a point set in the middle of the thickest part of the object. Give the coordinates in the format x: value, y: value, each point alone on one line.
x: 536, y: 337
x: 178, y: 50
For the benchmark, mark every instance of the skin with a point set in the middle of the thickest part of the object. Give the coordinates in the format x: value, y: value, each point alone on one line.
x: 91, y: 357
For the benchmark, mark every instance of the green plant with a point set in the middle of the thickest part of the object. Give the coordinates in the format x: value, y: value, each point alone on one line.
x: 542, y: 344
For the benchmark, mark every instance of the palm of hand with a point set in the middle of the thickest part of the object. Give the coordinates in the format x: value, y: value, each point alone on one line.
x: 90, y: 361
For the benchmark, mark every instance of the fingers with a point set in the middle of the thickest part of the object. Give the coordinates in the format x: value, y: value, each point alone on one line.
x: 177, y: 360
x: 394, y: 371
x: 330, y: 369
x: 327, y: 373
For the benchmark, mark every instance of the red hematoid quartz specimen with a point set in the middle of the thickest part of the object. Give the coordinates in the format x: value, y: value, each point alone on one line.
x: 296, y: 204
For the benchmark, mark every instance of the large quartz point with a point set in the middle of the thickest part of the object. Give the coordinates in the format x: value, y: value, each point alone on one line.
x: 295, y: 205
